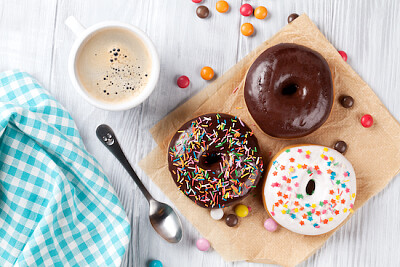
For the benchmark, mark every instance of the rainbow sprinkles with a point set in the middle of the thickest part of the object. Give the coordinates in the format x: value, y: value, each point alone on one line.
x: 215, y: 160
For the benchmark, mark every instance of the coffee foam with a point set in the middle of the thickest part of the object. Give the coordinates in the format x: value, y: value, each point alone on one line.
x: 113, y: 65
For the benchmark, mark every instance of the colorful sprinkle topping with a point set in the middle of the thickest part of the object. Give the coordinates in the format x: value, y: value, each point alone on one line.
x: 214, y: 160
x: 324, y: 207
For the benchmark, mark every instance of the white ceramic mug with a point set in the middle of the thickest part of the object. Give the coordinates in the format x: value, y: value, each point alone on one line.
x: 82, y: 35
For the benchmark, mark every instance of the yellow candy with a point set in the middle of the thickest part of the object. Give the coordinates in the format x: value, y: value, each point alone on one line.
x: 222, y: 6
x: 241, y: 210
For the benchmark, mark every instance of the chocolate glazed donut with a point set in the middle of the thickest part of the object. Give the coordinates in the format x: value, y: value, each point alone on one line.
x: 215, y: 160
x: 289, y: 91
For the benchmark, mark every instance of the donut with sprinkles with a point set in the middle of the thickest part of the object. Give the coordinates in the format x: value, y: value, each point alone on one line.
x: 309, y: 189
x: 215, y: 160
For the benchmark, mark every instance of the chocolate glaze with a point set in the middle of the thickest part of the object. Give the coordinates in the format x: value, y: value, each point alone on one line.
x: 215, y: 160
x: 289, y: 91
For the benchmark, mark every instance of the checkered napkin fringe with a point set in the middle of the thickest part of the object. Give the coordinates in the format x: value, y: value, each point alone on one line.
x: 57, y: 208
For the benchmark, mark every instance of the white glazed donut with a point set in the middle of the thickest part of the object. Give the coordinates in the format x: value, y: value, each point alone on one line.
x: 288, y: 193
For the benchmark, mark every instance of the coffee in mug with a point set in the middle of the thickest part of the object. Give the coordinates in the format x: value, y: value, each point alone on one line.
x: 113, y: 65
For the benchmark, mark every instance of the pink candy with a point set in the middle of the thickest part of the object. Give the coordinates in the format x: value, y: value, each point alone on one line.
x: 270, y: 225
x: 246, y: 10
x: 197, y: 1
x: 203, y: 244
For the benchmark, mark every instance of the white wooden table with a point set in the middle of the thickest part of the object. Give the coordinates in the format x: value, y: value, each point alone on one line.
x: 34, y: 38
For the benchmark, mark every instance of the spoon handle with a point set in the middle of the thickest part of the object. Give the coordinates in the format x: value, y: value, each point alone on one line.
x: 107, y: 137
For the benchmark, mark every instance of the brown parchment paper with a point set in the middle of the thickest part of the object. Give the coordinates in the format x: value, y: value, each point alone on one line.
x: 374, y: 152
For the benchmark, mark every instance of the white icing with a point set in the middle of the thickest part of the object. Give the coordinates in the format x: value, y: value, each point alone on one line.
x: 319, y: 204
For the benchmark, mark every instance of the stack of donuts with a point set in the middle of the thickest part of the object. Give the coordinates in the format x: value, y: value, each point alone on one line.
x: 215, y: 159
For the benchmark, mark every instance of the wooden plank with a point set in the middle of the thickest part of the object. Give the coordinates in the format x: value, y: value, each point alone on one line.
x: 26, y: 36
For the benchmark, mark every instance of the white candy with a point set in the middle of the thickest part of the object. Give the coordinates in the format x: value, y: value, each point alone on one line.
x: 217, y: 214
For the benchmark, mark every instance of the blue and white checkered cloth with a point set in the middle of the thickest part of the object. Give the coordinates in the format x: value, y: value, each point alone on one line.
x: 57, y: 208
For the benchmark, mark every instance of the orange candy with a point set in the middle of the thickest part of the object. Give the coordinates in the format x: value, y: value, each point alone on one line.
x: 260, y: 12
x: 207, y: 73
x: 222, y: 6
x: 247, y: 29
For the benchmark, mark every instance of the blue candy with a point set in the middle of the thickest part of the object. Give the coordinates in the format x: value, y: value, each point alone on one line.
x: 155, y: 263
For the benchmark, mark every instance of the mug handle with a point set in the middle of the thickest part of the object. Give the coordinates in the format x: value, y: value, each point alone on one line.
x: 75, y: 26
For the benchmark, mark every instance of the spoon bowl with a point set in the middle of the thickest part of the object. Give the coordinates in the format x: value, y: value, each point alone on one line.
x: 165, y: 221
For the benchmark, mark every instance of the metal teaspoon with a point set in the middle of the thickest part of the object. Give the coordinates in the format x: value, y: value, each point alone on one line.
x: 162, y: 217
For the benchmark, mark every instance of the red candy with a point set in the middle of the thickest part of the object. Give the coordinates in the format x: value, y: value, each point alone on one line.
x: 367, y: 120
x: 183, y: 81
x: 344, y: 55
x: 197, y: 1
x: 246, y: 10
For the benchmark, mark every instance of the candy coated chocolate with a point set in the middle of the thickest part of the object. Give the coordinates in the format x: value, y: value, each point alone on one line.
x: 340, y: 146
x: 155, y: 263
x: 292, y: 17
x: 367, y: 120
x: 260, y: 12
x: 246, y: 10
x: 217, y: 214
x: 344, y: 55
x: 247, y: 29
x: 289, y: 91
x: 183, y: 81
x: 241, y: 210
x: 207, y: 73
x: 202, y: 244
x: 270, y: 225
x: 346, y: 101
x: 222, y: 6
x: 231, y: 220
x: 202, y: 12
